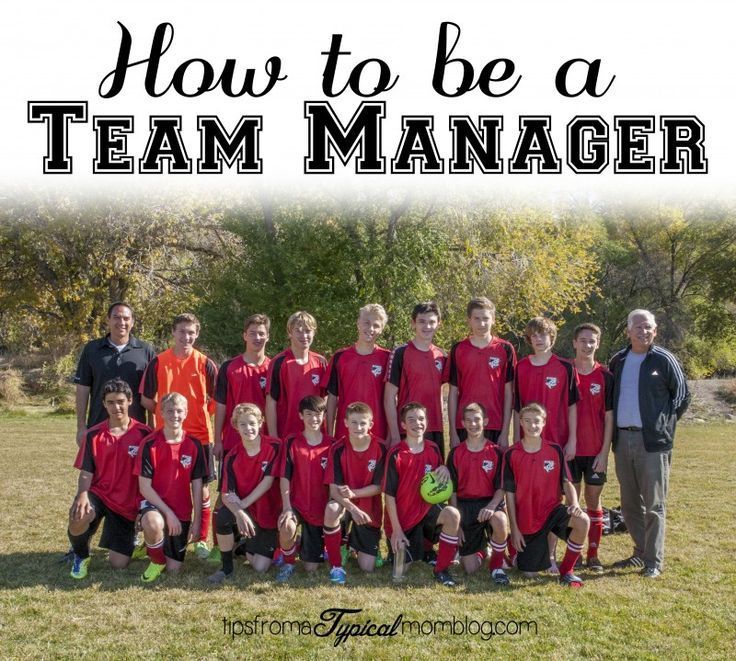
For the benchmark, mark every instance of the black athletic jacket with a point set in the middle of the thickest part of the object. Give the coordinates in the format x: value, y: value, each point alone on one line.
x: 663, y: 396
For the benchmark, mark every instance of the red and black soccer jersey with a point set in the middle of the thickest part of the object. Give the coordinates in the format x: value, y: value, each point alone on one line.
x: 419, y: 377
x: 242, y: 473
x: 481, y: 375
x: 595, y: 392
x: 172, y: 467
x: 353, y: 377
x: 356, y: 470
x: 239, y: 382
x: 404, y: 472
x: 475, y: 474
x: 536, y: 479
x: 304, y: 465
x: 289, y: 382
x: 553, y: 386
x: 194, y: 377
x: 111, y: 460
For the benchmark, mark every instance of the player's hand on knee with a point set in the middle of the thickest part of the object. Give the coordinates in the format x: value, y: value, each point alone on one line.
x: 360, y: 517
x: 245, y: 524
x: 485, y: 514
x: 285, y: 516
x: 173, y: 524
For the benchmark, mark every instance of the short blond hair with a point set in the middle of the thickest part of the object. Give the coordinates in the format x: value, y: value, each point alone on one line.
x: 475, y: 407
x: 246, y: 408
x: 174, y: 398
x: 374, y: 310
x: 301, y: 318
x: 533, y: 407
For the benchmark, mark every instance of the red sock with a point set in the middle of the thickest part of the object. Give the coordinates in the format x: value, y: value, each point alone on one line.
x: 333, y: 541
x: 595, y: 533
x: 446, y: 552
x: 156, y: 553
x: 497, y: 555
x: 289, y: 555
x: 204, y: 530
x: 510, y: 550
x: 571, y: 557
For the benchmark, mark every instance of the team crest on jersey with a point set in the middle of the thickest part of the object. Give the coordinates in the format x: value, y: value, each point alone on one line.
x: 264, y: 466
x: 427, y: 468
x: 549, y: 465
x: 315, y: 379
x: 132, y: 450
x: 186, y: 460
x: 262, y: 382
x: 595, y: 388
x: 494, y: 362
x: 371, y: 465
x: 551, y: 382
x: 438, y: 364
x: 376, y: 370
x: 323, y: 462
x: 487, y: 465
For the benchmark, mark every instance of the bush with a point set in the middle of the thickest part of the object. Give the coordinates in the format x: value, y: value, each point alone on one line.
x: 11, y: 387
x: 727, y: 392
x: 55, y: 382
x: 703, y: 359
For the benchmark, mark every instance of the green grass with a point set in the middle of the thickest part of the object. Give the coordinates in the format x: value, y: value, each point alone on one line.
x: 688, y: 612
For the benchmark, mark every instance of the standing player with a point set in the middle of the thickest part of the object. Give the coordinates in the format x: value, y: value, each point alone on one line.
x: 535, y: 476
x: 354, y: 473
x: 107, y: 487
x: 293, y: 375
x: 594, y: 432
x: 250, y: 494
x: 171, y: 468
x: 303, y: 491
x: 185, y: 370
x: 415, y: 374
x: 241, y: 379
x: 481, y: 369
x: 411, y: 519
x: 357, y: 374
x: 475, y: 468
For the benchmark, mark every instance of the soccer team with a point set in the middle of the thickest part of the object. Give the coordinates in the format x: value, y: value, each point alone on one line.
x: 314, y: 459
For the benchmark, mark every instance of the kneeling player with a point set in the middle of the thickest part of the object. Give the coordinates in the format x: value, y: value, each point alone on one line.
x: 354, y: 473
x: 171, y: 467
x: 411, y: 519
x: 250, y: 494
x: 475, y: 467
x: 107, y: 487
x: 303, y: 491
x: 535, y: 477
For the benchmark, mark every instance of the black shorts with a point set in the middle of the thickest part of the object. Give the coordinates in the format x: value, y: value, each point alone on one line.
x: 535, y: 556
x: 428, y: 529
x: 312, y: 546
x: 477, y: 534
x: 175, y: 546
x: 491, y: 434
x: 364, y: 539
x: 210, y: 457
x: 583, y: 467
x: 437, y: 437
x: 264, y: 542
x: 118, y: 533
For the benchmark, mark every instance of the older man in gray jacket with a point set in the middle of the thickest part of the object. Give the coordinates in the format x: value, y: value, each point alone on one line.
x: 650, y: 394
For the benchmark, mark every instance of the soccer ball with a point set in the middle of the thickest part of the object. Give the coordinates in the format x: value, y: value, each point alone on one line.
x: 433, y: 491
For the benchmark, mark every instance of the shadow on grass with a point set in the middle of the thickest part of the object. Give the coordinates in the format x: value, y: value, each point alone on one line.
x: 50, y: 571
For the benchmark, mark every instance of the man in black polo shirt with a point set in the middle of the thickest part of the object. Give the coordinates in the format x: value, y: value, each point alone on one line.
x: 118, y: 354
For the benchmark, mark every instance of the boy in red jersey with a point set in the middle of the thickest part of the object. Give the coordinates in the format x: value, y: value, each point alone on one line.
x: 481, y: 369
x: 411, y: 519
x: 171, y: 468
x: 594, y: 432
x: 357, y: 374
x: 415, y: 374
x: 250, y: 495
x: 292, y: 375
x: 354, y: 473
x: 535, y: 475
x: 241, y: 379
x: 303, y: 491
x: 475, y: 468
x: 107, y: 488
x: 185, y: 370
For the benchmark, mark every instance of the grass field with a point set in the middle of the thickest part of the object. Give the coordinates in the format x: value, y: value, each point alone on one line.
x: 689, y: 612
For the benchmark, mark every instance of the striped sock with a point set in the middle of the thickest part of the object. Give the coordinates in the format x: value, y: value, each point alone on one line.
x: 156, y: 552
x: 595, y: 533
x: 289, y: 555
x: 571, y: 557
x: 497, y: 555
x: 446, y: 552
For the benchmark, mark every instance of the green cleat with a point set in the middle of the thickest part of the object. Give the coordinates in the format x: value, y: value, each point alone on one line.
x: 153, y: 571
x: 379, y: 561
x: 139, y: 553
x: 215, y: 557
x: 79, y: 567
x: 202, y: 550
